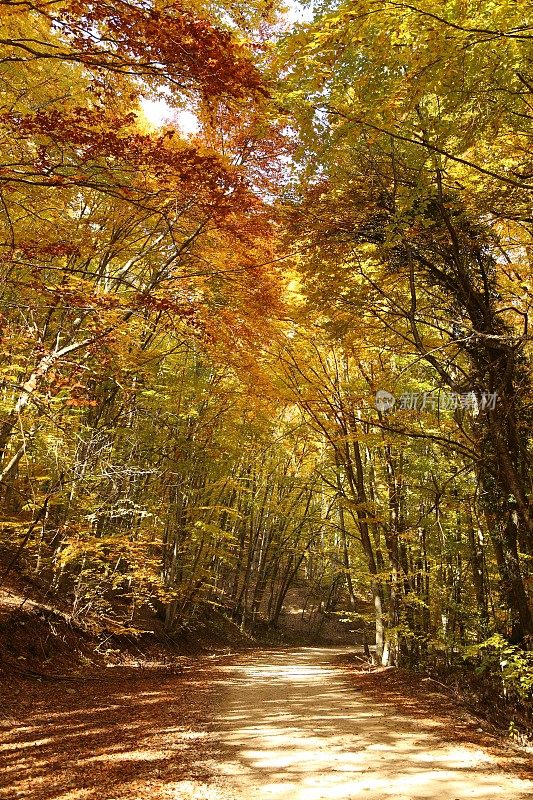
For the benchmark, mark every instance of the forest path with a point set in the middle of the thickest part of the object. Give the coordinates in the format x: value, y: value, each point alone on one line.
x: 289, y: 724
x: 297, y: 727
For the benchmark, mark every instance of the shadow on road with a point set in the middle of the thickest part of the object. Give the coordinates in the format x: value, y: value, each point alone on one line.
x: 286, y: 724
x: 296, y: 728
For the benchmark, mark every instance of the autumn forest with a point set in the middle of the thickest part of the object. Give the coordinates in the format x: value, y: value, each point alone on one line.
x: 265, y: 291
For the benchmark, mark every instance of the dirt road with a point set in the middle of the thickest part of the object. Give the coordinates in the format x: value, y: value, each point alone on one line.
x: 296, y: 728
x: 280, y: 725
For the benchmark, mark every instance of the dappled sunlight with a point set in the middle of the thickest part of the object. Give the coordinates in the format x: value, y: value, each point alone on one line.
x: 131, y: 755
x: 290, y: 673
x: 99, y: 741
x: 300, y: 731
x: 281, y: 724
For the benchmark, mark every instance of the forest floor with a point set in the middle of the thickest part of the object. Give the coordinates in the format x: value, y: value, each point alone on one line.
x: 285, y: 723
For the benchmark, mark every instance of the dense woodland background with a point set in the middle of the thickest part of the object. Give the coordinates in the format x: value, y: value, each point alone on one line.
x: 194, y: 327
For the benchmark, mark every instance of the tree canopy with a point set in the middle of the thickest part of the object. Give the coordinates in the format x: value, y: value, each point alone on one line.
x: 291, y: 349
